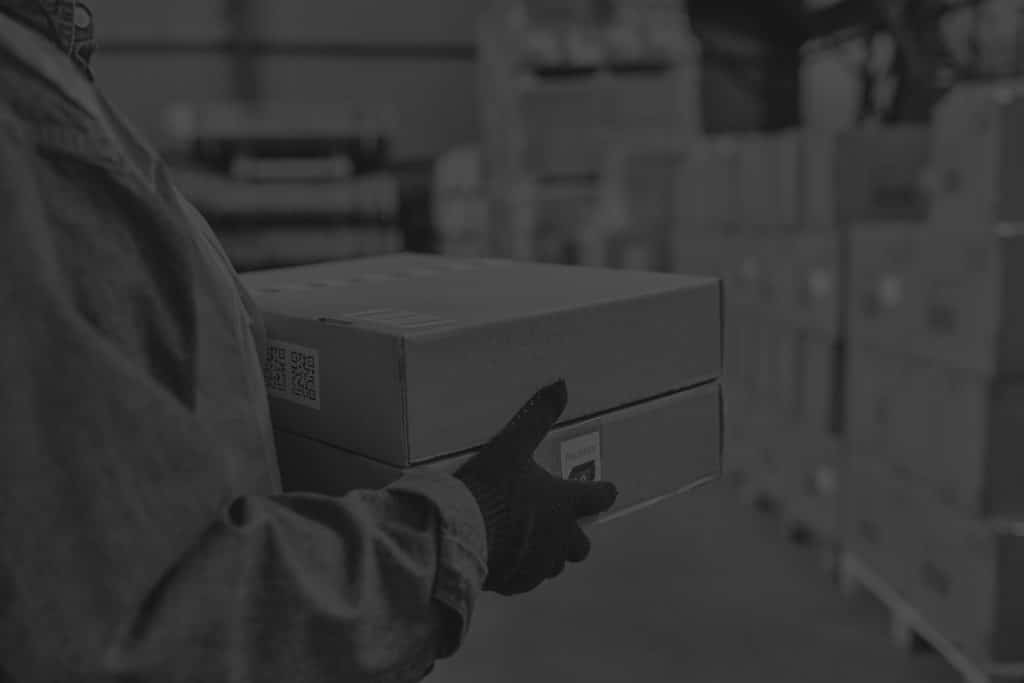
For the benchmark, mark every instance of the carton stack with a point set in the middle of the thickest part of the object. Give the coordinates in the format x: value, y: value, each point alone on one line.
x: 564, y: 84
x: 380, y: 366
x: 749, y: 210
x: 793, y: 338
x: 933, y: 503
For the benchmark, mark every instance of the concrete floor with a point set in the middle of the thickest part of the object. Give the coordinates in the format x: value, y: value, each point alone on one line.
x: 697, y: 590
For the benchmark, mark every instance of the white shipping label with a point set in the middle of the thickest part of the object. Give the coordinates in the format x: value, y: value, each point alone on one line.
x: 581, y: 457
x: 292, y: 373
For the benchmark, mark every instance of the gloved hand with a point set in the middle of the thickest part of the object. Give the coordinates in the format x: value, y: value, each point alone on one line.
x: 532, y: 516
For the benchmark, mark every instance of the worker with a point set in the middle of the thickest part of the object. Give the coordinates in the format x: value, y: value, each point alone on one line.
x: 144, y: 535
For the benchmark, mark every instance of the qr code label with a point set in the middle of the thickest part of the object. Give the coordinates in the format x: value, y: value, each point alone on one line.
x: 292, y: 373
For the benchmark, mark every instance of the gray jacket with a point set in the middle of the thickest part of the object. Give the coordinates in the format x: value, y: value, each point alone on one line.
x: 143, y: 532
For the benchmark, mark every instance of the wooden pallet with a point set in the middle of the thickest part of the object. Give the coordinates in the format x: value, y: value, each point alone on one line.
x: 909, y: 629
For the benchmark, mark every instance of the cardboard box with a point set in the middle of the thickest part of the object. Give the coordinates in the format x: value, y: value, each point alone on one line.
x: 974, y: 175
x: 888, y: 414
x: 880, y: 523
x: 879, y: 175
x: 884, y: 285
x: 817, y: 177
x: 977, y: 426
x: 972, y: 292
x: 410, y: 358
x: 650, y: 450
x: 968, y: 584
x: 811, y: 287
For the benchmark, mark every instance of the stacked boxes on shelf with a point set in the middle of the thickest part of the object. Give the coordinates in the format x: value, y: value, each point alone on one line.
x: 565, y: 84
x: 744, y: 213
x: 291, y: 184
x: 633, y: 222
x: 936, y: 393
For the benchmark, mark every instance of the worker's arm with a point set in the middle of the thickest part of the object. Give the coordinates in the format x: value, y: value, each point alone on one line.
x: 124, y: 553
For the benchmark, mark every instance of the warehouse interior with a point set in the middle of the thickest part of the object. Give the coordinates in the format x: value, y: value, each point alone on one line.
x: 845, y: 167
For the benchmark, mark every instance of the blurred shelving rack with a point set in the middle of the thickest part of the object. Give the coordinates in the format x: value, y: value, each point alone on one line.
x: 563, y: 84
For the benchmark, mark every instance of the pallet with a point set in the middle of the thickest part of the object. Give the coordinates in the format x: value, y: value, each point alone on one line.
x: 771, y: 503
x: 910, y: 630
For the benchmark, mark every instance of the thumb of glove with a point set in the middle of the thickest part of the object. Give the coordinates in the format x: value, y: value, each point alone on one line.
x: 590, y: 498
x: 519, y: 439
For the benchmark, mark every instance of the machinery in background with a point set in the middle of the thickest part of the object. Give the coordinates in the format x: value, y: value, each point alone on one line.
x: 290, y: 184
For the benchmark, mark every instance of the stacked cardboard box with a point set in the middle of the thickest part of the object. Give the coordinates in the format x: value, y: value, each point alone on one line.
x: 936, y: 393
x: 565, y: 86
x: 744, y: 214
x: 770, y: 214
x: 379, y: 366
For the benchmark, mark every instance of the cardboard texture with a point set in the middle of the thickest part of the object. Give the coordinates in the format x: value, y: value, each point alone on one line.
x: 971, y: 288
x: 879, y: 174
x: 975, y: 173
x: 649, y: 450
x: 409, y: 358
x: 810, y: 286
x: 967, y: 583
x: 884, y: 286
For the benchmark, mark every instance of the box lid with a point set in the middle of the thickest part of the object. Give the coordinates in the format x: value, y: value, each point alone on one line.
x: 406, y: 358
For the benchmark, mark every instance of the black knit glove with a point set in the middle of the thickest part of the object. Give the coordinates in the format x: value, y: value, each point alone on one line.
x: 532, y: 517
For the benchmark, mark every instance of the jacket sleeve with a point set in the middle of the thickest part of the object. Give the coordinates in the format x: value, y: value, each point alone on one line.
x: 124, y: 555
